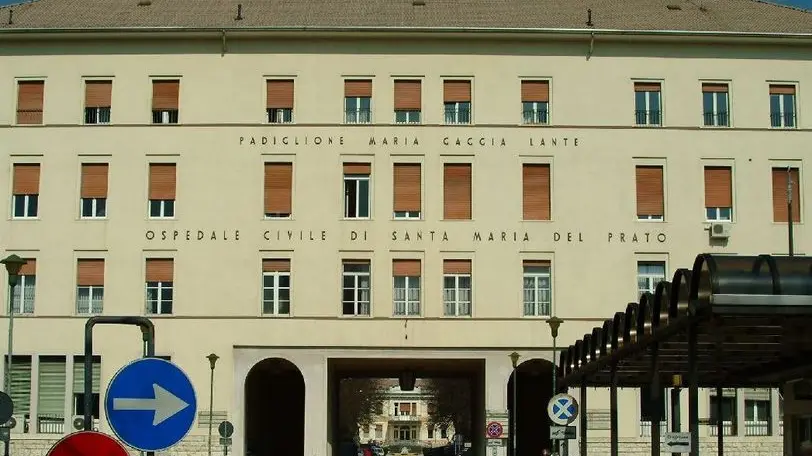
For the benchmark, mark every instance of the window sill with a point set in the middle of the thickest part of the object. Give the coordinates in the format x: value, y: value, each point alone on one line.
x: 271, y: 316
x: 457, y: 220
x: 23, y: 219
x: 715, y: 127
x: 548, y: 124
x: 538, y: 221
x: 358, y: 317
x: 650, y: 221
x: 158, y: 219
x: 151, y: 315
x: 90, y: 219
x: 356, y: 219
x: 97, y: 124
x: 783, y: 224
x: 28, y: 125
x: 266, y: 218
x: 407, y: 219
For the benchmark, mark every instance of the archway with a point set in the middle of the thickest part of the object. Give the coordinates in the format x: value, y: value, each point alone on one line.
x: 534, y: 392
x: 274, y: 409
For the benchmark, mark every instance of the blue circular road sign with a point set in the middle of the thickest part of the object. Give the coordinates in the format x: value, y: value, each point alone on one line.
x: 150, y: 404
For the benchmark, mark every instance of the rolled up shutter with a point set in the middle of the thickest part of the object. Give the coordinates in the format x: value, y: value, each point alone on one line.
x: 79, y: 374
x: 51, y: 401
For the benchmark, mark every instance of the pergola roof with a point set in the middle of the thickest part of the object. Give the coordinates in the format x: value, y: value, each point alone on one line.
x: 750, y: 314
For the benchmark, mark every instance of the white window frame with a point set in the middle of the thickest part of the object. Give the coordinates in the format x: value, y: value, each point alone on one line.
x: 407, y: 215
x: 536, y: 118
x: 411, y: 285
x: 647, y: 103
x: 98, y: 111
x: 22, y: 290
x: 456, y: 117
x: 357, y: 303
x: 359, y: 112
x: 94, y: 208
x: 409, y: 114
x: 538, y: 290
x: 715, y: 109
x: 93, y: 292
x: 356, y: 179
x: 159, y: 299
x: 456, y: 290
x: 27, y: 207
x: 715, y: 214
x: 783, y: 110
x: 651, y: 279
x: 276, y: 289
x: 162, y: 209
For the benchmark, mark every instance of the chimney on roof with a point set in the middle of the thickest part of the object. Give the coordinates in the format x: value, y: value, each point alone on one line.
x: 418, y: 2
x: 589, y: 17
x: 239, y: 12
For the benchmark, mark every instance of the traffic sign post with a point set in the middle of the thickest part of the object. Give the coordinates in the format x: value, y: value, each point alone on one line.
x: 87, y: 443
x: 494, y: 430
x: 6, y: 407
x: 562, y: 409
x: 225, y: 429
x: 677, y: 442
x: 150, y: 404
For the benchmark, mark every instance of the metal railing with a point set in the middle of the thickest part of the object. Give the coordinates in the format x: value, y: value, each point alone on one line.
x: 355, y: 116
x: 171, y: 116
x: 50, y: 424
x: 97, y: 115
x: 716, y: 119
x: 535, y: 117
x: 457, y: 116
x: 782, y: 119
x: 645, y: 428
x: 648, y: 117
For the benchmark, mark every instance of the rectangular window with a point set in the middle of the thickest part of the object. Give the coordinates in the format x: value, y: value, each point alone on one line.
x: 23, y: 299
x: 79, y: 385
x: 535, y: 102
x: 718, y: 193
x: 536, y: 191
x: 356, y: 190
x: 715, y: 105
x: 279, y: 104
x: 782, y: 105
x: 650, y: 198
x: 25, y: 190
x: 407, y: 190
x: 729, y: 411
x: 159, y: 279
x: 30, y: 102
x: 757, y: 411
x: 408, y: 101
x: 647, y: 103
x: 649, y: 274
x: 278, y: 189
x: 457, y: 191
x: 165, y: 94
x: 783, y: 179
x: 98, y: 101
x: 20, y: 373
x: 457, y: 102
x: 276, y: 287
x: 357, y: 101
x: 94, y: 190
x: 162, y: 183
x: 89, y: 286
x: 537, y: 288
x: 356, y: 277
x: 406, y: 287
x: 51, y: 400
x: 457, y: 288
x: 379, y: 431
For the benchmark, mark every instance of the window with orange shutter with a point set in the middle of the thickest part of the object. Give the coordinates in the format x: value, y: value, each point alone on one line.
x: 357, y: 101
x: 159, y: 275
x: 537, y: 288
x: 93, y: 196
x: 408, y: 101
x: 784, y: 179
x: 22, y: 301
x: 276, y: 286
x: 279, y: 100
x: 30, y: 102
x: 782, y: 105
x: 457, y: 191
x: 718, y: 193
x: 407, y: 190
x: 89, y: 286
x: 650, y: 200
x: 648, y: 108
x: 278, y: 189
x: 25, y: 190
x: 406, y: 289
x: 165, y: 101
x: 535, y: 102
x: 536, y: 191
x: 162, y: 183
x: 457, y: 288
x: 357, y: 197
x: 98, y: 97
x: 457, y: 101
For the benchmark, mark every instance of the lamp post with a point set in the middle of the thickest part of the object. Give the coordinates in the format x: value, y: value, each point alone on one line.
x: 13, y: 265
x: 555, y: 323
x: 212, y: 361
x: 514, y: 361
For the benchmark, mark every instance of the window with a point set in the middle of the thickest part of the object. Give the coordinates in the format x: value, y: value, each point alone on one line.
x: 457, y: 191
x: 715, y: 105
x: 159, y: 278
x: 30, y: 101
x: 407, y: 190
x: 406, y: 287
x: 356, y: 284
x: 357, y: 101
x: 431, y: 432
x: 457, y: 102
x: 79, y: 385
x: 165, y: 103
x: 278, y: 187
x: 457, y: 288
x: 757, y: 411
x: 647, y: 109
x: 537, y: 288
x: 649, y: 274
x: 23, y: 299
x: 650, y: 198
x: 20, y: 373
x: 356, y: 190
x: 718, y: 193
x: 535, y: 102
x: 162, y: 183
x: 89, y: 286
x: 405, y: 433
x: 408, y: 102
x: 378, y: 431
x: 782, y: 105
x: 536, y: 191
x: 94, y: 190
x: 98, y: 96
x: 51, y: 395
x: 783, y: 179
x: 728, y: 411
x: 25, y: 191
x: 279, y: 104
x: 276, y: 287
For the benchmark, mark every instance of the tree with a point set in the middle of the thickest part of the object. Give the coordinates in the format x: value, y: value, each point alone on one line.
x: 449, y: 403
x: 359, y: 401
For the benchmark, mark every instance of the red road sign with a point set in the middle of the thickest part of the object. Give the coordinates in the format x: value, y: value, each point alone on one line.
x: 87, y: 443
x: 494, y: 430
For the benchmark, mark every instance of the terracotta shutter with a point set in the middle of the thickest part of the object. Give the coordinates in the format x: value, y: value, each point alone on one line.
x: 358, y: 168
x: 165, y: 95
x: 278, y: 186
x: 160, y: 270
x: 358, y: 88
x: 276, y: 265
x: 30, y: 267
x: 780, y: 195
x: 30, y: 100
x: 406, y: 268
x: 98, y: 94
x: 456, y: 91
x: 279, y: 94
x: 405, y: 407
x: 94, y: 180
x: 535, y: 91
x: 456, y: 266
x: 650, y: 190
x: 90, y: 272
x: 162, y: 181
x: 536, y: 191
x: 457, y: 191
x: 718, y: 186
x: 407, y: 189
x: 407, y: 95
x: 536, y: 263
x: 646, y: 86
x: 714, y: 87
x: 782, y: 89
x: 26, y: 179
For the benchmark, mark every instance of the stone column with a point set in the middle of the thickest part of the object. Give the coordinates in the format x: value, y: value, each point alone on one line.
x: 498, y: 369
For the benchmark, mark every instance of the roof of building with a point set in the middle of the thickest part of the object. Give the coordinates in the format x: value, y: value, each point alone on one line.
x: 737, y: 16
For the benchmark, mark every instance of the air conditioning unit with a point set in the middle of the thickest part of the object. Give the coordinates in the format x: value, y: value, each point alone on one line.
x: 78, y: 422
x: 720, y: 230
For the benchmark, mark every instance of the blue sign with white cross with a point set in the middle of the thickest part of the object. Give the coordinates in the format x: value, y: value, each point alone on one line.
x: 562, y: 409
x: 150, y: 404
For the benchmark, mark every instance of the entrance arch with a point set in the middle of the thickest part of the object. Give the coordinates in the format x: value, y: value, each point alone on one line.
x: 535, y: 380
x: 274, y: 409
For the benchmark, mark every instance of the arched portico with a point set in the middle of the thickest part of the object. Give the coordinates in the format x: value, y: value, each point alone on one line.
x: 535, y: 388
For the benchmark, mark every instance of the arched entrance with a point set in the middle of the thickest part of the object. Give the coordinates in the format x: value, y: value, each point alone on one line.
x: 532, y: 395
x: 274, y: 409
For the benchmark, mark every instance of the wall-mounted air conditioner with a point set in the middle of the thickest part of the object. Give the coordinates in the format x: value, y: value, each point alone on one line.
x: 720, y: 230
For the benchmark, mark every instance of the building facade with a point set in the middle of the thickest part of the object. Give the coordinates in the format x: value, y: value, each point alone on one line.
x: 394, y: 183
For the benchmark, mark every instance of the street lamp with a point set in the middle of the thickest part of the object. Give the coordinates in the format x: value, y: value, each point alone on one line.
x: 514, y: 361
x: 13, y: 265
x: 212, y: 361
x: 555, y: 323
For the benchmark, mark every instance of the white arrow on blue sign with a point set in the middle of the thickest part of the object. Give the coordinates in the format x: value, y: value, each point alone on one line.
x: 150, y: 404
x: 562, y: 409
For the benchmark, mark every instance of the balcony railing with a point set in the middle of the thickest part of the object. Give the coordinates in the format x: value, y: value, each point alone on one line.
x: 97, y: 115
x: 457, y: 116
x: 647, y: 117
x: 782, y: 119
x: 357, y: 116
x: 727, y: 428
x: 645, y: 428
x: 50, y: 424
x: 535, y: 117
x: 404, y: 418
x: 716, y: 119
x: 756, y: 428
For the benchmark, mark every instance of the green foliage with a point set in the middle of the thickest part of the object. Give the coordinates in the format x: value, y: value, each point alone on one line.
x: 449, y: 403
x: 360, y: 400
